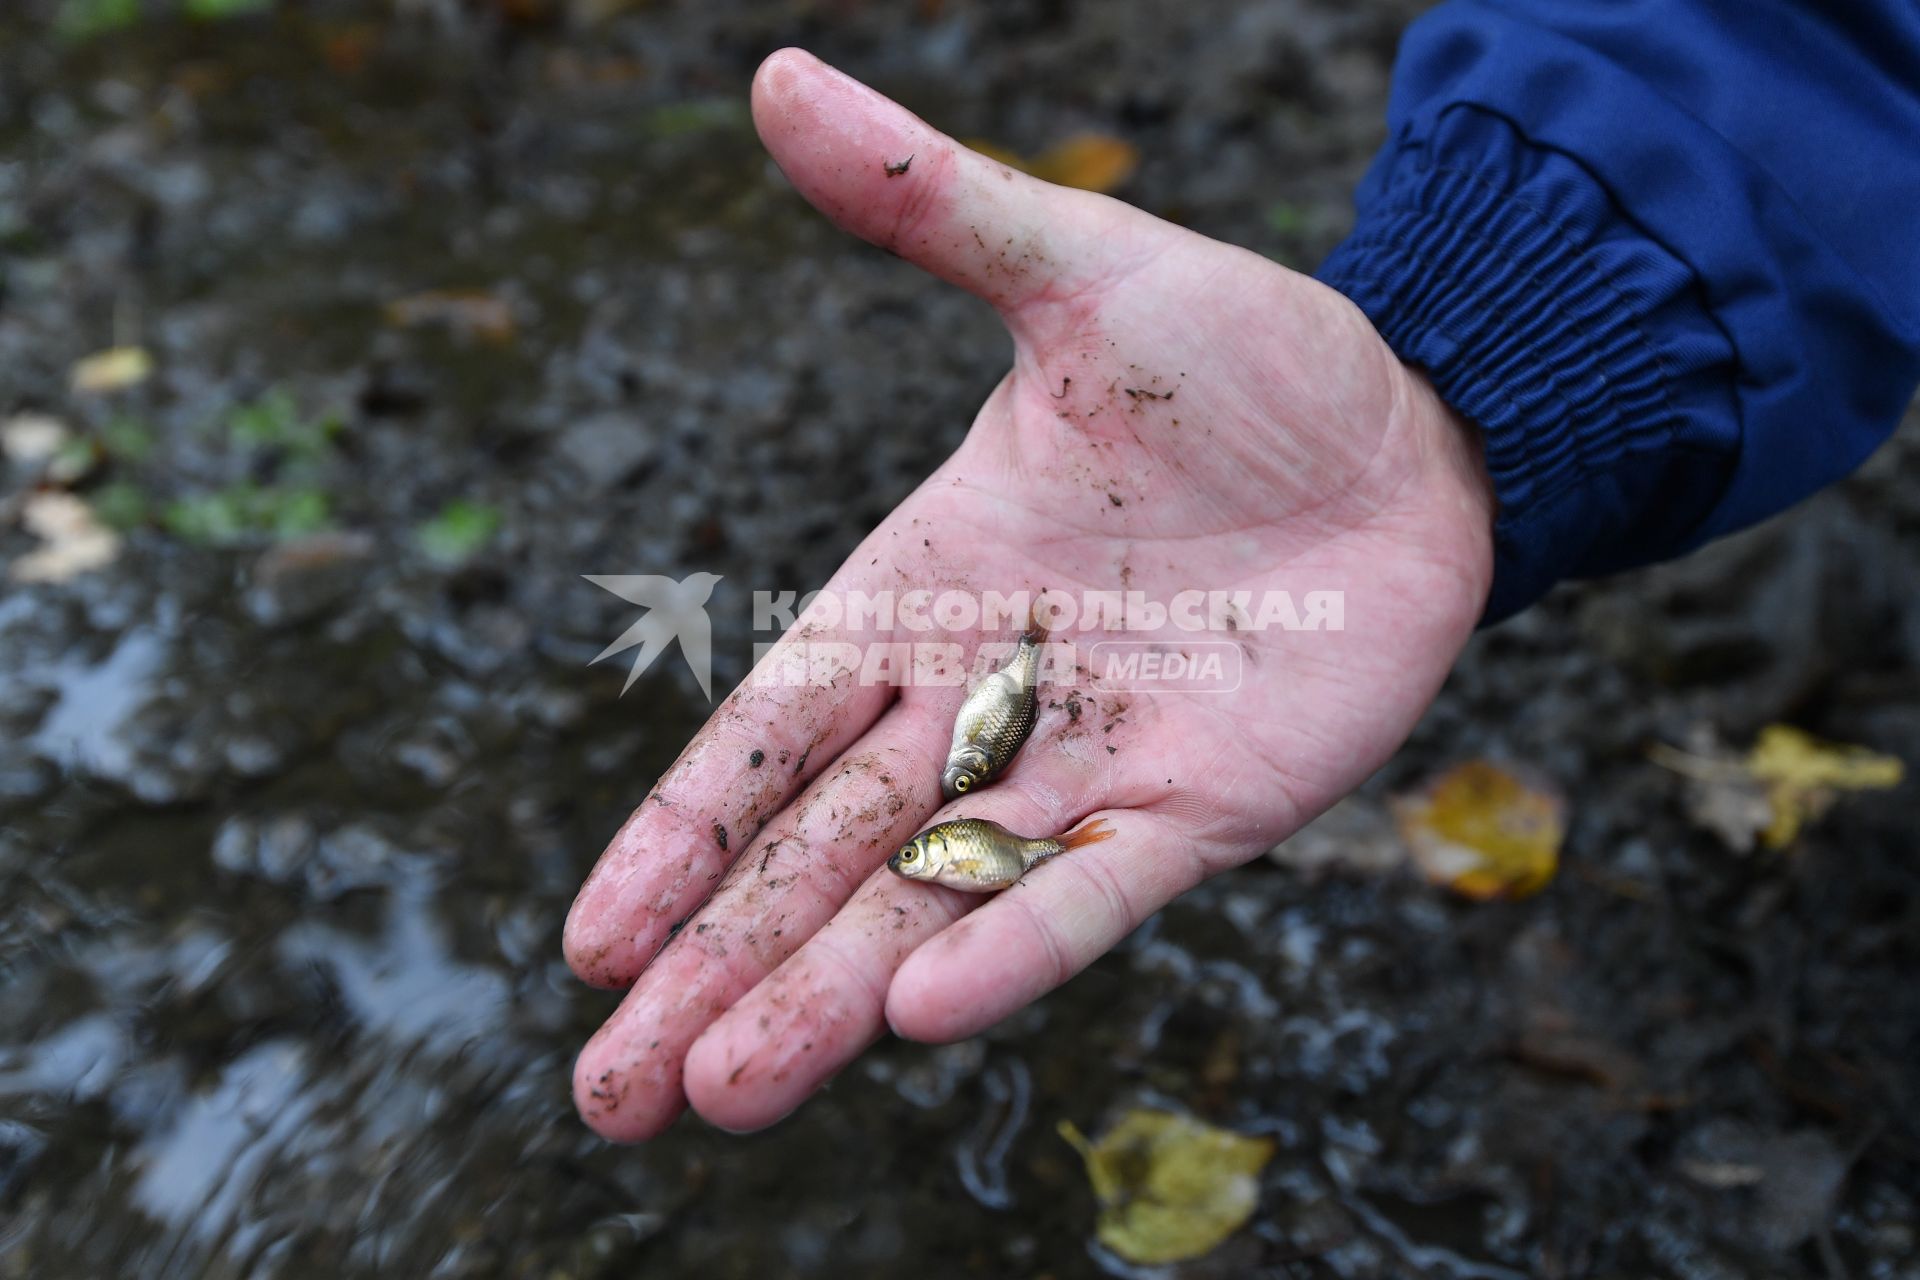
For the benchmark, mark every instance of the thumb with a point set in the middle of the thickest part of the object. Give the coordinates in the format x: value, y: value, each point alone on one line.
x: 1026, y: 246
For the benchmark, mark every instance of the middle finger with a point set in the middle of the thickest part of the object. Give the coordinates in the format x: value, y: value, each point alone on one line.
x: 787, y: 883
x: 827, y: 1003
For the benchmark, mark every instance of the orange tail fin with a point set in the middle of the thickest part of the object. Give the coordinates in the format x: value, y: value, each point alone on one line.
x: 1036, y: 630
x: 1093, y: 833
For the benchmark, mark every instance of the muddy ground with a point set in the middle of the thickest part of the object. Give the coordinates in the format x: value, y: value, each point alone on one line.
x: 295, y: 792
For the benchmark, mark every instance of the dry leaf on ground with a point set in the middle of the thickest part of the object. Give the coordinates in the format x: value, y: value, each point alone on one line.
x: 465, y: 313
x: 1787, y: 780
x: 115, y: 369
x: 1481, y: 831
x: 1355, y: 836
x: 73, y: 541
x: 30, y: 439
x: 1170, y: 1186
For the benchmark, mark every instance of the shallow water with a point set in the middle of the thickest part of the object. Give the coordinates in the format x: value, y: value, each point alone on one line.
x: 285, y: 846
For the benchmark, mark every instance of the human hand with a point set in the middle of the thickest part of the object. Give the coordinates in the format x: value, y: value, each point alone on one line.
x: 1295, y: 453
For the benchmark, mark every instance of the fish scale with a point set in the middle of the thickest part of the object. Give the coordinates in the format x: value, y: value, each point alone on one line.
x: 981, y: 856
x: 1005, y: 724
x: 994, y: 721
x: 989, y: 853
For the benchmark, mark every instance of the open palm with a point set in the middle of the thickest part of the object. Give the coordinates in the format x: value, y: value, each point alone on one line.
x: 1181, y: 415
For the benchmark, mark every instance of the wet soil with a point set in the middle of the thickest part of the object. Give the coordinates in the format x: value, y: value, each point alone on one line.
x: 286, y: 836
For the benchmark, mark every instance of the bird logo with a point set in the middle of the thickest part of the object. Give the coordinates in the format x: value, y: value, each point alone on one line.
x: 674, y: 611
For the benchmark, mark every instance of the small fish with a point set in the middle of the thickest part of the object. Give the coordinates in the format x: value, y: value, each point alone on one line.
x: 996, y: 718
x: 980, y: 856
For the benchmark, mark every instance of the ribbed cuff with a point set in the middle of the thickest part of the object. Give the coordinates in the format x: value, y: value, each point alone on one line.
x: 1581, y: 348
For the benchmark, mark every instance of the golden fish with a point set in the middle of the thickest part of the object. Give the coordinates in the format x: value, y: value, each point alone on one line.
x: 996, y: 718
x: 981, y: 856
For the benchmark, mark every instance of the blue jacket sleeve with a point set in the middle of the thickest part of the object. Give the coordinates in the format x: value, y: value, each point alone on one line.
x: 1666, y: 253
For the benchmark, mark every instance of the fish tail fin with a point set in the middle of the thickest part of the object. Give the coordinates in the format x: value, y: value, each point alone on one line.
x: 1093, y: 833
x: 1036, y: 632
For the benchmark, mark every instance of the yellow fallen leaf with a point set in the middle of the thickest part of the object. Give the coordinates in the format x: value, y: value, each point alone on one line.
x: 1090, y: 161
x: 1170, y: 1187
x: 114, y: 369
x: 1482, y: 832
x: 1804, y: 776
x: 1788, y: 779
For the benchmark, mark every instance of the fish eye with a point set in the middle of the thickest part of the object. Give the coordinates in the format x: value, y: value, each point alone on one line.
x: 962, y: 782
x: 909, y: 853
